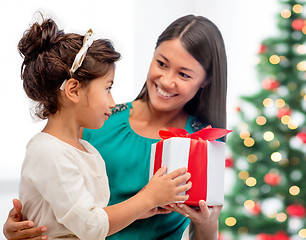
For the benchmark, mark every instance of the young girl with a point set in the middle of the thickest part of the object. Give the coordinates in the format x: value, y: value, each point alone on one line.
x: 185, y: 88
x: 63, y: 182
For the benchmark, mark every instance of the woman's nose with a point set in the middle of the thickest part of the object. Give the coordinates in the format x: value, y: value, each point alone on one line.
x: 168, y: 80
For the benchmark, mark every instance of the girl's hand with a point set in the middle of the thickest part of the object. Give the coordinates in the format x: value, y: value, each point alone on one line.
x: 15, y: 229
x: 164, y: 189
x: 204, y: 221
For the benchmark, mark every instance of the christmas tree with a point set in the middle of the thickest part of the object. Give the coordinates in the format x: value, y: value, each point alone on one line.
x: 267, y: 151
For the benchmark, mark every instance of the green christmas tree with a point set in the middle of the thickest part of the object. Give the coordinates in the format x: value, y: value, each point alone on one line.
x: 268, y: 198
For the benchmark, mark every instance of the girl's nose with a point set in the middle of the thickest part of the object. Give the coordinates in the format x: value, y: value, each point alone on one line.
x: 112, y: 103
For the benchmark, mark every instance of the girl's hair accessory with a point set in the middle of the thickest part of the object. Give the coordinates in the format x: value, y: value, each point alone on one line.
x: 79, y: 58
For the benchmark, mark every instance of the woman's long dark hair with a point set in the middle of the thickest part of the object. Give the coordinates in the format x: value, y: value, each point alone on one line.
x: 203, y: 40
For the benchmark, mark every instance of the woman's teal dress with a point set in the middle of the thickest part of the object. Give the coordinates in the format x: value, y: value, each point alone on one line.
x: 127, y: 158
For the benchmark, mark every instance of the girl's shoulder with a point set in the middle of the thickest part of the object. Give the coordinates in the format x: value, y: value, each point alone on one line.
x: 48, y: 144
x: 45, y: 149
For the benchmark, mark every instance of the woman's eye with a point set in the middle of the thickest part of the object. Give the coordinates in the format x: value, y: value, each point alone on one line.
x: 160, y: 63
x: 109, y: 89
x: 184, y: 75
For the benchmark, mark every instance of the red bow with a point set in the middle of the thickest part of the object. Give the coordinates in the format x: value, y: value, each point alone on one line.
x: 207, y: 133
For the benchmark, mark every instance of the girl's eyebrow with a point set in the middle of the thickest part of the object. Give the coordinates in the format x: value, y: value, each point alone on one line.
x: 183, y: 68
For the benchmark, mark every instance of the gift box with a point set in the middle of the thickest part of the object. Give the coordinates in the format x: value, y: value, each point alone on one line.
x: 200, y: 154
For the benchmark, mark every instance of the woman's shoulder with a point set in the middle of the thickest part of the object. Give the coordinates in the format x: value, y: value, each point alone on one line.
x: 120, y: 114
x: 196, y: 124
x: 120, y: 107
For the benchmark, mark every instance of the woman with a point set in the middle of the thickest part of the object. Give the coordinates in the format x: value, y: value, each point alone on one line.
x: 185, y: 88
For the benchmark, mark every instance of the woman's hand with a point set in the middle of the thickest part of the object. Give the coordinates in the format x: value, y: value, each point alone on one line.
x: 13, y: 229
x: 155, y: 211
x: 204, y: 221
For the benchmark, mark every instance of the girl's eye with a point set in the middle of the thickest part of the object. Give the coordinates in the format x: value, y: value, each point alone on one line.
x: 109, y: 89
x: 184, y: 75
x: 160, y: 63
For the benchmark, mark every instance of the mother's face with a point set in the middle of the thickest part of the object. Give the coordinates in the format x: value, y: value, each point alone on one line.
x: 174, y: 76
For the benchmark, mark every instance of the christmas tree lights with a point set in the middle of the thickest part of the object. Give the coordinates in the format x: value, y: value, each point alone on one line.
x: 268, y: 151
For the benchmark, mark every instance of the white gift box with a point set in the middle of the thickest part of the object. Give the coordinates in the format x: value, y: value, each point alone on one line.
x: 204, y: 159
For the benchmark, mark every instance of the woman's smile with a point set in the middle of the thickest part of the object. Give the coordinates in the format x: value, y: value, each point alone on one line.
x: 163, y: 93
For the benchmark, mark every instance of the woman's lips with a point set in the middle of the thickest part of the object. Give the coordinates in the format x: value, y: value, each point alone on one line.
x: 164, y: 93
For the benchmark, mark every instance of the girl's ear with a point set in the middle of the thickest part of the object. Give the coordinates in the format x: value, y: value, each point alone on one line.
x: 72, y: 90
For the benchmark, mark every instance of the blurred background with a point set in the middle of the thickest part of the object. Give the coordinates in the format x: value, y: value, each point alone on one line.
x: 133, y: 26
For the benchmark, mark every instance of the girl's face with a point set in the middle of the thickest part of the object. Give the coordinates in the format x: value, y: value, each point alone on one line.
x: 174, y: 77
x: 98, y: 101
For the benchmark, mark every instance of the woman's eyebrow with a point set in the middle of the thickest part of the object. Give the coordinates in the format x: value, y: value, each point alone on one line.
x: 166, y: 59
x: 182, y: 68
x: 186, y: 69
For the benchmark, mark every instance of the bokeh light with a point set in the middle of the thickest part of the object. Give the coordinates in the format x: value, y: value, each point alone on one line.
x: 292, y: 125
x: 230, y: 221
x: 297, y: 8
x: 244, y: 134
x: 301, y: 49
x: 251, y: 181
x: 294, y: 190
x: 286, y: 13
x: 249, y: 204
x: 268, y: 136
x: 243, y: 175
x: 301, y: 66
x: 267, y: 102
x: 285, y: 119
x: 249, y: 142
x: 302, y: 233
x: 276, y: 157
x: 261, y: 120
x: 252, y: 158
x: 274, y: 59
x: 280, y: 103
x: 281, y: 217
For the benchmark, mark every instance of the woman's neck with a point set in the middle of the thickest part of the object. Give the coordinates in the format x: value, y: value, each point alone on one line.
x: 147, y: 121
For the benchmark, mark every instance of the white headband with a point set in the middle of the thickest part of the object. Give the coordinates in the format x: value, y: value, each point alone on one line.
x: 79, y: 58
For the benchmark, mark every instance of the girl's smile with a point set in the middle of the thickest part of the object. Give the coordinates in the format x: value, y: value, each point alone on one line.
x: 107, y: 115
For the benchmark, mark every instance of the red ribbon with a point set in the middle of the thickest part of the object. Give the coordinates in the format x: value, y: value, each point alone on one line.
x: 158, y: 155
x: 207, y: 133
x: 197, y: 166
